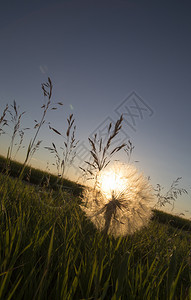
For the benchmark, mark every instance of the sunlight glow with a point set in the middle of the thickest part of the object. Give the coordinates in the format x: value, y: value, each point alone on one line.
x: 112, y: 182
x: 121, y: 201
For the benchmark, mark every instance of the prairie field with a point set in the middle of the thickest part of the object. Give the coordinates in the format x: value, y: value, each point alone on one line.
x: 50, y: 250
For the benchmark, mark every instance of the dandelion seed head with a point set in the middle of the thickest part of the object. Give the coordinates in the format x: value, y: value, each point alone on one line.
x: 122, y: 201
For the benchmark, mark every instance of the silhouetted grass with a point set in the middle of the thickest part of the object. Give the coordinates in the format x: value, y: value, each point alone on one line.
x: 172, y: 220
x: 50, y: 250
x: 39, y: 177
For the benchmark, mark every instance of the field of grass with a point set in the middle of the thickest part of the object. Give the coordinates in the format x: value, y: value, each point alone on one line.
x: 38, y: 177
x: 49, y: 250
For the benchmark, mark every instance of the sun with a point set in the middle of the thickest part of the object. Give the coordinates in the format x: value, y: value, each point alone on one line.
x: 112, y: 182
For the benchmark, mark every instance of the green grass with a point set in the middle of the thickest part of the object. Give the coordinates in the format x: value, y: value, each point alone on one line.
x: 50, y: 250
x: 53, y: 252
x: 174, y: 221
x: 38, y: 177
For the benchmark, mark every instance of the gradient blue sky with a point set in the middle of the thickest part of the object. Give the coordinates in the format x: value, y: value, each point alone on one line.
x: 97, y: 53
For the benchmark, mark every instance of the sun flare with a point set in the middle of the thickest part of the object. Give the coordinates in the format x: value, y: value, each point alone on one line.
x: 111, y: 183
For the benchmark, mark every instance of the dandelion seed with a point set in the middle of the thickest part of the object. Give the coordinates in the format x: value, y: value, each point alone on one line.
x: 121, y: 202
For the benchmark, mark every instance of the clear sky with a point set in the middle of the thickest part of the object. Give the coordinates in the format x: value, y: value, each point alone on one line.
x: 104, y: 58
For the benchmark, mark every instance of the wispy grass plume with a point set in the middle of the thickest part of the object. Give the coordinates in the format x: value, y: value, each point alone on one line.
x: 169, y: 197
x: 101, y: 152
x: 3, y: 120
x: 66, y: 154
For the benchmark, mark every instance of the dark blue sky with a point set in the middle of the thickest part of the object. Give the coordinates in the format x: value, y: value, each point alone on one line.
x: 97, y: 53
